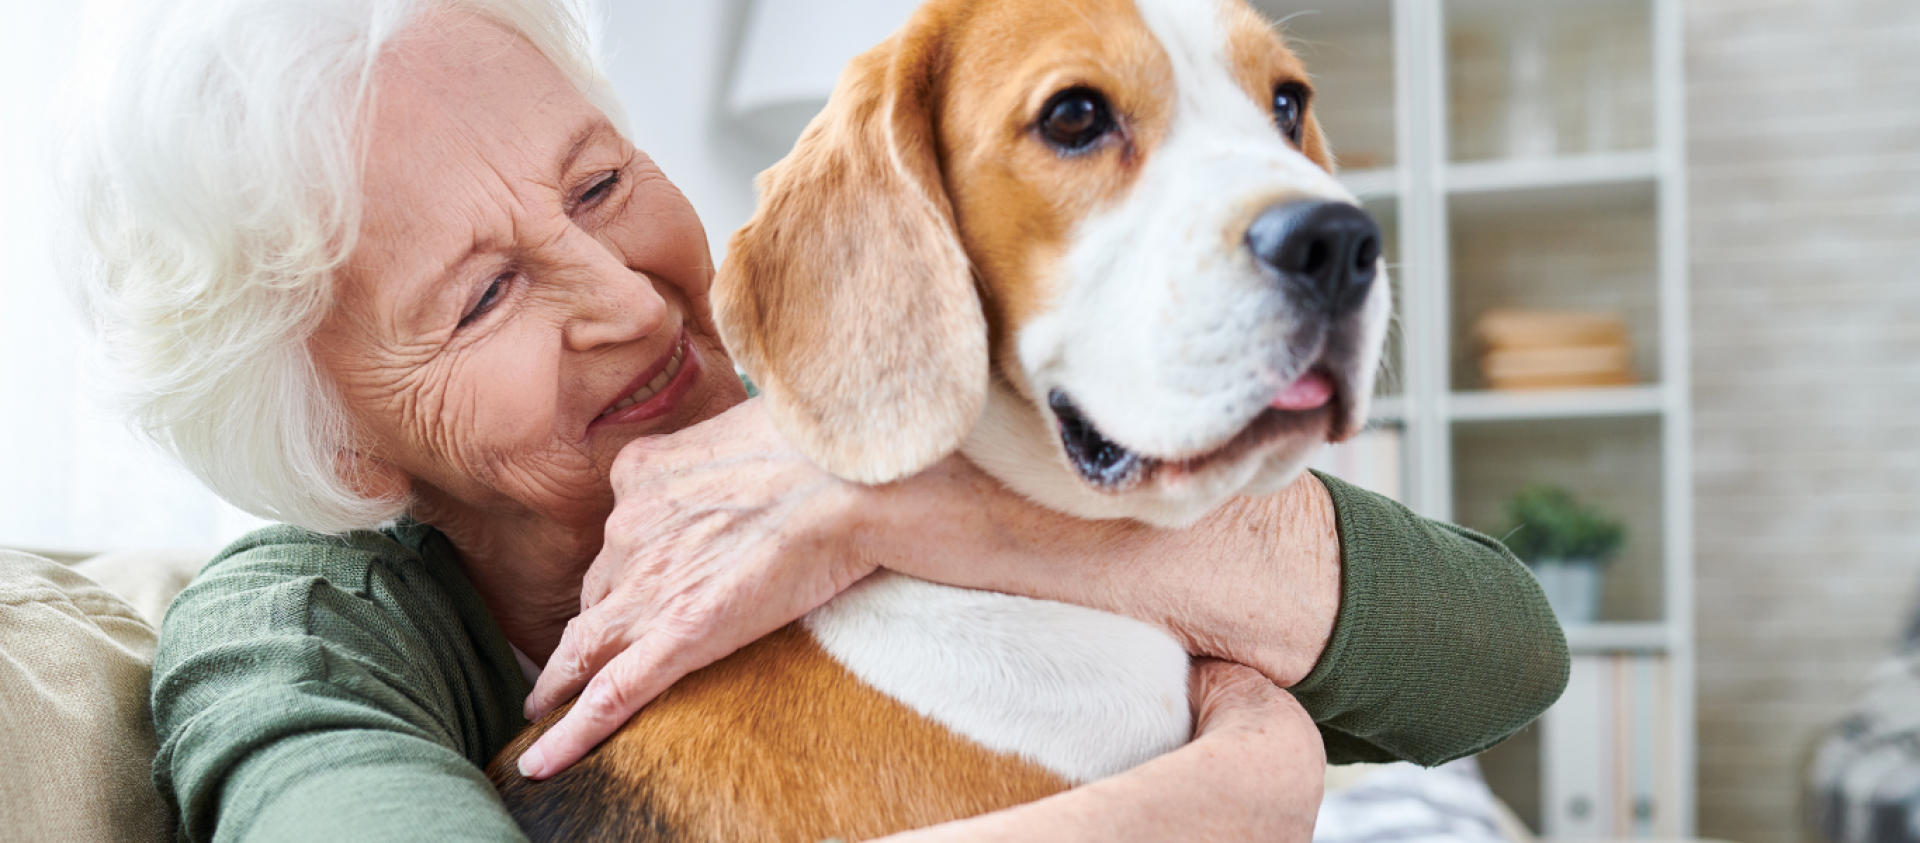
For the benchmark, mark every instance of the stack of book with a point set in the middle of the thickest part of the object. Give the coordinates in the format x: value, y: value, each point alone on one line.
x: 1553, y: 349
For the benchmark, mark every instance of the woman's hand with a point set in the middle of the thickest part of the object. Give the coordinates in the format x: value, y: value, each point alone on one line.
x: 1254, y: 771
x: 721, y: 534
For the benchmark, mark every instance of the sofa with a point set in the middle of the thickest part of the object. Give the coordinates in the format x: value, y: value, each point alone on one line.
x: 74, y: 663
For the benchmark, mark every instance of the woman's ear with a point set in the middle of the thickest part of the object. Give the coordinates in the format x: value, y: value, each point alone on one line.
x: 848, y: 298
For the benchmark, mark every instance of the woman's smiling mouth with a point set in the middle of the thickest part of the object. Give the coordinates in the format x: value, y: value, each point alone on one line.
x: 657, y: 390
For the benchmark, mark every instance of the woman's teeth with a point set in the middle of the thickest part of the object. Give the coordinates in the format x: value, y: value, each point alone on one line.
x: 653, y: 387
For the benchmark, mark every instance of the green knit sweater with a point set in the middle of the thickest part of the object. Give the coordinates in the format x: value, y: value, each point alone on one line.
x: 327, y: 688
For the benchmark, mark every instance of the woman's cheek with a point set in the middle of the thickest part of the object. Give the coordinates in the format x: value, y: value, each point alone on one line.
x: 502, y: 401
x: 659, y: 234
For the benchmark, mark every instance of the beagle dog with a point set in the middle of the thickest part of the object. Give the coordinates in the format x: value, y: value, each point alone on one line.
x: 1097, y: 247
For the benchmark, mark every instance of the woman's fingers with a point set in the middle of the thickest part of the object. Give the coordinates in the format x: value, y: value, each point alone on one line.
x: 632, y: 679
x: 584, y: 649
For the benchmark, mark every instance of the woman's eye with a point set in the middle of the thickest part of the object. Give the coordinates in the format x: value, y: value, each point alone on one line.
x: 600, y: 190
x: 1075, y: 118
x: 494, y: 292
x: 1290, y: 110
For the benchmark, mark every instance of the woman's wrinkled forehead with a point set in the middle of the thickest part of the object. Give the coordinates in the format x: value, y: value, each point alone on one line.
x: 471, y: 130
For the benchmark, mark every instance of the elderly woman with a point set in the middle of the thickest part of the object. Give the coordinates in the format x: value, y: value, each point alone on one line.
x: 389, y: 271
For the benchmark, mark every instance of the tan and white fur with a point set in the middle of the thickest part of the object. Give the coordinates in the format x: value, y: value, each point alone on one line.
x: 928, y: 272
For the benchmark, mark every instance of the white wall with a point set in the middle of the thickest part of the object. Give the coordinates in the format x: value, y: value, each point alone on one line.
x: 72, y: 478
x: 1805, y: 179
x: 671, y: 62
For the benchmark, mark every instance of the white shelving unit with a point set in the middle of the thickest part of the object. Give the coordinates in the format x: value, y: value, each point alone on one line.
x: 1409, y: 92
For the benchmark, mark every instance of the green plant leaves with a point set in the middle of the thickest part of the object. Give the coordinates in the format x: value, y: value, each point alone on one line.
x: 1550, y: 523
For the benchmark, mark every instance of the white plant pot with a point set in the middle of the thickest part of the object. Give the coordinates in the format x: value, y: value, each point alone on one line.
x: 1572, y: 587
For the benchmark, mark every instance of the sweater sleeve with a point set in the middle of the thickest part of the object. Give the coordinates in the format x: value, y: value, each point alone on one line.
x: 323, y: 688
x: 1444, y: 644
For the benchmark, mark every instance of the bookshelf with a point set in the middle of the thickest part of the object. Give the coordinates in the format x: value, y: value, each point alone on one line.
x: 1531, y: 153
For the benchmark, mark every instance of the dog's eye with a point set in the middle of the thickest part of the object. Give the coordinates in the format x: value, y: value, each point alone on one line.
x: 1290, y: 110
x: 1075, y: 118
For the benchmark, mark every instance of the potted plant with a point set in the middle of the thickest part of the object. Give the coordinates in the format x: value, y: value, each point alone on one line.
x: 1567, y: 544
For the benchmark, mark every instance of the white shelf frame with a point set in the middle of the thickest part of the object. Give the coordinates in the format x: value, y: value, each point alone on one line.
x: 1378, y: 183
x: 1552, y: 173
x: 1626, y: 401
x: 1431, y: 191
x: 1538, y: 405
x: 1590, y: 639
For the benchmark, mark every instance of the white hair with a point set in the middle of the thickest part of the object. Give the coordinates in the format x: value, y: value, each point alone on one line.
x: 215, y: 163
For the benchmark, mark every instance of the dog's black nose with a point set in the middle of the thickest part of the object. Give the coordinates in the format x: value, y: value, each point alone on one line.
x: 1325, y: 252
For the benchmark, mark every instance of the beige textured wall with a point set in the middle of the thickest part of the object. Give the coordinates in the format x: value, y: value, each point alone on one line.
x: 1805, y: 156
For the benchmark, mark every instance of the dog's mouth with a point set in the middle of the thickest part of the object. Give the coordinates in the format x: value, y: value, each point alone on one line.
x: 1314, y: 405
x: 1101, y: 461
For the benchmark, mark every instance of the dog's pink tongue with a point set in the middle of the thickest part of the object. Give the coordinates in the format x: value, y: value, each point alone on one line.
x: 1308, y: 393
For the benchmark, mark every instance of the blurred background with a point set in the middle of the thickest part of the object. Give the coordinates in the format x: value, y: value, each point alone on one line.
x: 1657, y: 265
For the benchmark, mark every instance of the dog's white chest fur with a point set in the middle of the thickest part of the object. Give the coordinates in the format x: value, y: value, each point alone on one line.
x: 1083, y: 693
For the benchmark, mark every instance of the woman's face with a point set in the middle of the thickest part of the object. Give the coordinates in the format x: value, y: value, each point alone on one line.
x: 527, y: 295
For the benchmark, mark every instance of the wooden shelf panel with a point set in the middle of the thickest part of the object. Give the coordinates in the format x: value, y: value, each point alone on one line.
x: 1378, y: 183
x: 1530, y: 405
x: 1387, y: 409
x: 1619, y: 637
x: 1587, y: 182
x: 1523, y: 405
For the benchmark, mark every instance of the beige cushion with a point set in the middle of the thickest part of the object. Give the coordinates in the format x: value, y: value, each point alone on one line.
x: 76, y: 739
x: 147, y: 579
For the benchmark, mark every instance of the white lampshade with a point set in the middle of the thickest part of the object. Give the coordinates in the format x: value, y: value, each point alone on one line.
x: 792, y: 55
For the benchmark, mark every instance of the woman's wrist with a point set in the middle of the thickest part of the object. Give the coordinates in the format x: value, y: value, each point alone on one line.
x: 1285, y: 621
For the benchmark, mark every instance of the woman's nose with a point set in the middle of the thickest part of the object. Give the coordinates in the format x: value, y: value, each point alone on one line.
x: 608, y: 302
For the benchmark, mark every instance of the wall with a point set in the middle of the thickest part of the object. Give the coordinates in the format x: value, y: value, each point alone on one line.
x: 72, y: 477
x: 671, y: 63
x: 1805, y: 156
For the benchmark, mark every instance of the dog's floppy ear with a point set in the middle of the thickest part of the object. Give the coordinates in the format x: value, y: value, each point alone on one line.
x: 848, y: 298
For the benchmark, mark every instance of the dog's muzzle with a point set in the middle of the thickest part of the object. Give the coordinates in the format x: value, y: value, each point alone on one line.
x: 1325, y: 254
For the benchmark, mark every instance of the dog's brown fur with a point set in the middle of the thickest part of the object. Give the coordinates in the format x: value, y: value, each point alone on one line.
x: 777, y: 742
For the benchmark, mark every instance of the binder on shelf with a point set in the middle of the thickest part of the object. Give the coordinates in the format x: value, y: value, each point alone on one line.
x: 1609, y: 759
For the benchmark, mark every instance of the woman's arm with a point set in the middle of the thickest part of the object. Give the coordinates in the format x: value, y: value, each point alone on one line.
x: 1431, y: 642
x: 1445, y: 644
x: 1254, y: 771
x: 722, y: 533
x: 1257, y: 582
x: 323, y: 688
